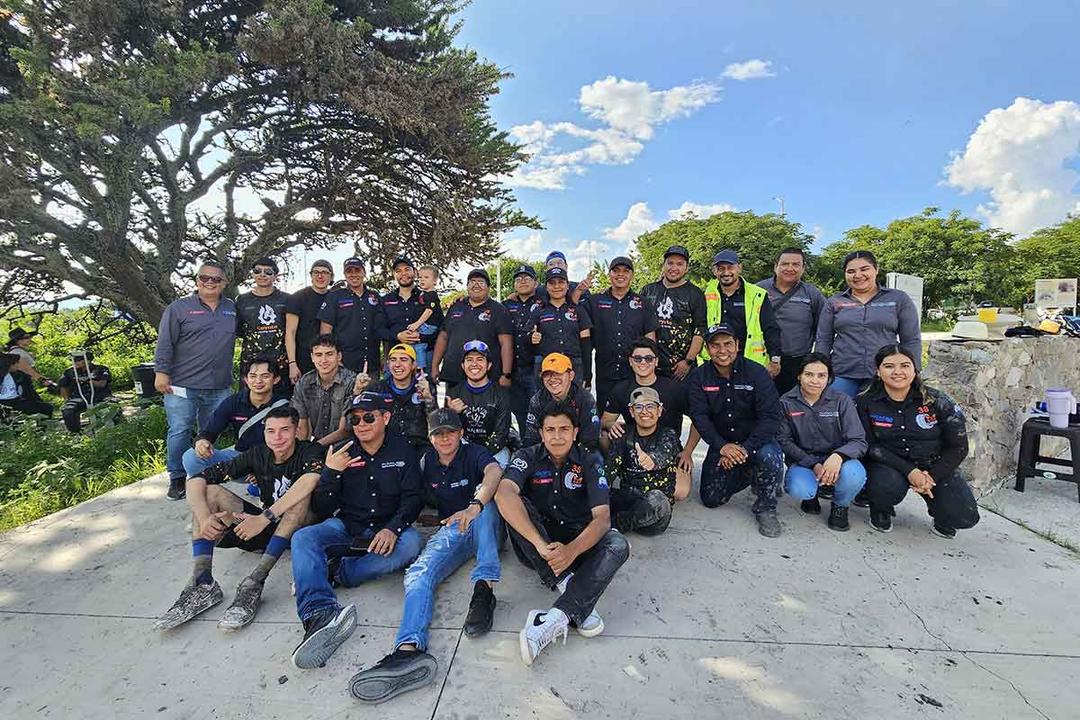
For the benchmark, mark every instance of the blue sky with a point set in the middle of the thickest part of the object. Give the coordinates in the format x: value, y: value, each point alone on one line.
x: 852, y: 114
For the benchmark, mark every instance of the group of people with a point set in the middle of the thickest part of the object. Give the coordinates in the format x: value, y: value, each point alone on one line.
x: 342, y: 441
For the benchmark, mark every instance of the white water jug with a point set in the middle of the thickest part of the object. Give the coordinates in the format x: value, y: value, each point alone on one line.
x: 1060, y: 403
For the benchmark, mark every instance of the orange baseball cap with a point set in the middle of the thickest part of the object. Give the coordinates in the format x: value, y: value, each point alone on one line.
x: 556, y: 362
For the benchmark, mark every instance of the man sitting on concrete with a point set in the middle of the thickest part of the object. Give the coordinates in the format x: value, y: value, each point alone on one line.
x: 462, y: 478
x: 554, y: 498
x: 735, y: 407
x: 370, y: 491
x: 484, y: 405
x: 286, y: 470
x: 245, y: 412
x: 558, y: 385
x: 643, y: 468
x: 408, y: 393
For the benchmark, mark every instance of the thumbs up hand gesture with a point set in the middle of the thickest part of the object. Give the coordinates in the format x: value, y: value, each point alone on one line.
x: 644, y: 459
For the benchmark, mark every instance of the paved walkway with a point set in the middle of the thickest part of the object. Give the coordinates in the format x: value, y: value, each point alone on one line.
x: 709, y: 619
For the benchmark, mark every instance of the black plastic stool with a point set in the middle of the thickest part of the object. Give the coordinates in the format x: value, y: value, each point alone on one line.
x: 1030, y: 441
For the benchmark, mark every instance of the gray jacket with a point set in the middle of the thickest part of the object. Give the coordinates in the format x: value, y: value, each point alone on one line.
x: 195, y: 343
x: 810, y: 433
x: 852, y: 333
x: 797, y: 316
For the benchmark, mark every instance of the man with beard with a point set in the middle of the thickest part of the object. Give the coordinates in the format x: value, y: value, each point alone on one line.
x: 680, y: 309
x: 409, y: 310
x: 797, y: 306
x: 746, y: 308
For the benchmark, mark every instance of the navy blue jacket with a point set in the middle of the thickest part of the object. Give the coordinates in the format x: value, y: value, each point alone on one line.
x: 234, y: 411
x: 743, y: 409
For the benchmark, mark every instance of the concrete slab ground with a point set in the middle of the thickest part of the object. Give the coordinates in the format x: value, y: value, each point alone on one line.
x: 1049, y: 507
x: 710, y: 619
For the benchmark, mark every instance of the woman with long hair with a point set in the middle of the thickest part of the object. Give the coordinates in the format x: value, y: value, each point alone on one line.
x: 864, y: 317
x: 918, y: 438
x: 823, y: 439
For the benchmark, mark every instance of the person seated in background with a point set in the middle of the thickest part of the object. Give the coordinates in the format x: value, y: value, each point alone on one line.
x: 408, y: 394
x: 643, y: 469
x: 483, y: 404
x: 17, y: 389
x: 918, y: 438
x: 462, y: 478
x: 19, y: 342
x: 82, y: 385
x: 244, y: 411
x: 822, y: 439
x: 286, y: 470
x: 557, y: 384
x: 554, y: 499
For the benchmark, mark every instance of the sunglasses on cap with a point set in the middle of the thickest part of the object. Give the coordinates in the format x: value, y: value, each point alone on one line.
x: 476, y: 346
x: 211, y: 279
x: 367, y: 418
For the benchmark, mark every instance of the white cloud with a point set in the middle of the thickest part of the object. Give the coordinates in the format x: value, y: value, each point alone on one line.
x: 699, y: 211
x: 749, y: 70
x: 638, y: 221
x: 635, y: 109
x: 534, y: 246
x: 1019, y: 154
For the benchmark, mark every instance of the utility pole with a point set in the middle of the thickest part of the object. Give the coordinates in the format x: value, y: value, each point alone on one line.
x: 780, y: 199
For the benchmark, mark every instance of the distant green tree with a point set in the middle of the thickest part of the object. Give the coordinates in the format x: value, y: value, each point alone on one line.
x: 507, y: 265
x: 1053, y: 252
x: 757, y: 238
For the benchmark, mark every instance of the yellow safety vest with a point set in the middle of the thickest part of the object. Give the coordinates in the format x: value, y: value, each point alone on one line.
x: 754, y: 345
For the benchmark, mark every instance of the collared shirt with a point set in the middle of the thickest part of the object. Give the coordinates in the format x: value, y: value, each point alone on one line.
x: 84, y: 384
x: 274, y: 479
x: 305, y: 304
x: 852, y: 332
x: 379, y: 491
x: 520, y: 312
x: 617, y: 323
x: 401, y: 312
x: 797, y: 316
x: 733, y: 312
x: 359, y: 325
x: 810, y: 433
x: 453, y: 486
x: 236, y: 410
x: 487, y: 413
x: 742, y: 408
x: 560, y: 328
x: 565, y: 494
x: 195, y: 343
x: 626, y: 472
x: 672, y: 394
x: 580, y: 400
x: 465, y: 322
x: 323, y: 407
x: 408, y: 411
x: 681, y: 315
x: 260, y: 324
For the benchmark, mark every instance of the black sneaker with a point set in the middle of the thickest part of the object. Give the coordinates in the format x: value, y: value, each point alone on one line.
x: 881, y: 520
x: 398, y: 672
x: 838, y: 518
x: 825, y: 491
x: 481, y: 610
x: 861, y: 500
x: 768, y: 524
x: 811, y: 506
x: 177, y: 488
x: 323, y: 634
x: 941, y: 531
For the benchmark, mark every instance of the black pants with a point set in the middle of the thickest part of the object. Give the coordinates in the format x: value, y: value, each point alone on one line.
x: 646, y: 513
x: 952, y: 507
x: 788, y: 377
x: 593, y: 570
x: 29, y: 401
x: 72, y: 411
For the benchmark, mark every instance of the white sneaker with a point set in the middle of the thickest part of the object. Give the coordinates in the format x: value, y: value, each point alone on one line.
x: 594, y: 624
x: 540, y: 630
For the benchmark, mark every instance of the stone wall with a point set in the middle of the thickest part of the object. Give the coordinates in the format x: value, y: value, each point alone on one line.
x: 996, y: 383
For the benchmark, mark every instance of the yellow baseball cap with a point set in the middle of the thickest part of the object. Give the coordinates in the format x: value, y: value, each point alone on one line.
x: 556, y: 362
x: 403, y: 348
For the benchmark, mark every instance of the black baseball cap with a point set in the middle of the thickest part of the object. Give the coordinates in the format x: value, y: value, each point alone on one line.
x: 402, y: 260
x: 354, y: 262
x: 555, y: 273
x: 718, y: 329
x: 677, y: 250
x: 442, y: 420
x: 621, y: 260
x: 479, y: 273
x: 368, y: 400
x: 525, y: 270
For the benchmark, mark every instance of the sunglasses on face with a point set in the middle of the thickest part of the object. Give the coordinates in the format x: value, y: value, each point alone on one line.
x: 367, y: 418
x: 642, y: 358
x: 268, y: 272
x: 211, y: 279
x: 645, y: 407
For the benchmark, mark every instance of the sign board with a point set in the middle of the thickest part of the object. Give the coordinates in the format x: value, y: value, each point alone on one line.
x: 911, y: 284
x: 1055, y: 293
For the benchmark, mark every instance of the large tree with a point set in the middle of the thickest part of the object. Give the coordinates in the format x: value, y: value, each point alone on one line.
x: 137, y: 136
x: 1052, y: 252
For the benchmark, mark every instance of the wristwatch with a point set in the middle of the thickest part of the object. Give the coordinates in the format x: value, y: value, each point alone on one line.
x: 269, y: 515
x: 477, y: 501
x: 775, y: 359
x: 507, y: 375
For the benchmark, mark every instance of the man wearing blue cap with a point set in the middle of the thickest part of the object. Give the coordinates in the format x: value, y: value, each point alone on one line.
x: 520, y: 303
x: 354, y: 314
x: 735, y: 407
x: 578, y: 292
x: 746, y: 308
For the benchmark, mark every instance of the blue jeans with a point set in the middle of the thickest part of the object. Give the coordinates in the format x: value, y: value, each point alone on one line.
x: 850, y: 386
x: 801, y: 482
x: 445, y: 552
x: 522, y: 388
x: 194, y: 465
x: 309, y: 548
x: 183, y: 415
x: 764, y: 470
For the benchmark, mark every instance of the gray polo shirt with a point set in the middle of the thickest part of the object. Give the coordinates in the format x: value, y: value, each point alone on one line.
x: 323, y: 407
x: 797, y: 315
x: 810, y: 433
x: 852, y: 332
x: 195, y: 343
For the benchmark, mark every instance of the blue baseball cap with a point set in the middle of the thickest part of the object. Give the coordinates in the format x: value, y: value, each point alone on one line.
x: 525, y: 270
x: 555, y: 254
x: 368, y: 400
x: 726, y: 256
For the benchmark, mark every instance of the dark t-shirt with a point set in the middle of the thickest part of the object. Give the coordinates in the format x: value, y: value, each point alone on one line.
x: 681, y: 315
x: 672, y: 394
x: 453, y: 486
x: 273, y: 479
x: 260, y: 324
x: 464, y: 322
x: 97, y: 372
x: 305, y: 305
x: 624, y: 469
x: 565, y: 494
x: 486, y: 417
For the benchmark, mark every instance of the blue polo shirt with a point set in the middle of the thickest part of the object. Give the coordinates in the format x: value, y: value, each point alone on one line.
x: 454, y: 485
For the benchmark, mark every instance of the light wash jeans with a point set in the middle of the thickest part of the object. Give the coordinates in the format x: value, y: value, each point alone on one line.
x: 801, y: 483
x: 183, y: 415
x: 195, y: 465
x: 850, y: 386
x: 445, y: 552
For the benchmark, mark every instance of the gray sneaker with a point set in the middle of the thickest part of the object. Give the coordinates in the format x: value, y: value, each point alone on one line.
x: 323, y: 634
x: 193, y: 601
x: 242, y: 611
x: 768, y: 524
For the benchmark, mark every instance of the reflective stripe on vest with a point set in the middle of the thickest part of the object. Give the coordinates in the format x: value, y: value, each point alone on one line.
x: 754, y: 296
